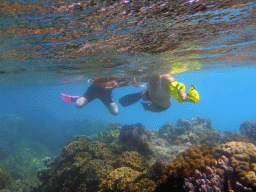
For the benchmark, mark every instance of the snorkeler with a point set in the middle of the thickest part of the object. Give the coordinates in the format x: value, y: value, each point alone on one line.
x: 160, y: 88
x: 100, y: 88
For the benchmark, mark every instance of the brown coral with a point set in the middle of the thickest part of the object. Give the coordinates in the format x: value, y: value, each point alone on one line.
x: 134, y: 160
x: 196, y: 157
x: 89, y: 165
x: 123, y: 179
x: 120, y: 179
x: 243, y: 160
x: 145, y: 185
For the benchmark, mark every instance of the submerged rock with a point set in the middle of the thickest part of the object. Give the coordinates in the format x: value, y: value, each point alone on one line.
x: 135, y: 138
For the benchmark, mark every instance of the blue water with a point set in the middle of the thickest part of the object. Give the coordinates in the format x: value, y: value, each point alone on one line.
x: 227, y: 96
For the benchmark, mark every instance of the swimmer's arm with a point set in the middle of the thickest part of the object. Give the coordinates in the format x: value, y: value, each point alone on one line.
x: 115, y: 84
x: 183, y: 94
x: 124, y: 83
x: 136, y: 84
x: 171, y: 79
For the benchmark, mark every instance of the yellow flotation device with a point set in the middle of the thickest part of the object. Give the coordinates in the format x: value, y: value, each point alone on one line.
x: 175, y: 86
x: 193, y: 95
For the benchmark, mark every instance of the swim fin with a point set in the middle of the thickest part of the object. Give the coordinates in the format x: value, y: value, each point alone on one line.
x: 69, y: 98
x: 145, y: 104
x: 130, y: 99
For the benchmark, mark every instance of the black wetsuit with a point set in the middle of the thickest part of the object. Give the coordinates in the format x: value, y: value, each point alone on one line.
x: 95, y: 92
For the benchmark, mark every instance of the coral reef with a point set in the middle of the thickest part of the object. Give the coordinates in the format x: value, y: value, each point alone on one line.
x: 22, y: 163
x: 234, y: 136
x: 248, y: 128
x: 127, y: 158
x: 198, y: 123
x: 89, y: 165
x: 219, y: 178
x: 170, y: 140
x: 196, y: 157
x: 164, y: 151
x: 243, y: 160
x: 135, y: 138
x: 195, y: 131
x: 153, y: 173
x: 5, y: 180
x: 174, y: 174
x: 111, y: 134
x: 134, y: 160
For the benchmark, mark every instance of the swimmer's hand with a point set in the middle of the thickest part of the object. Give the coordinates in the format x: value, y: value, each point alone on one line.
x: 137, y: 85
x: 113, y: 85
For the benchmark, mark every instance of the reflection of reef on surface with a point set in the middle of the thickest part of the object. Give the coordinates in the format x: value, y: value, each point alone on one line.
x: 101, y: 30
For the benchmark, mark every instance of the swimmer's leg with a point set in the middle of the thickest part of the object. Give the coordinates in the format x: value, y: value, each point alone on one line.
x: 90, y: 95
x: 145, y: 96
x: 107, y: 98
x: 113, y: 108
x: 81, y: 102
x: 130, y: 99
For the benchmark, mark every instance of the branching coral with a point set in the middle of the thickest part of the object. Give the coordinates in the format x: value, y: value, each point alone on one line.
x: 196, y: 157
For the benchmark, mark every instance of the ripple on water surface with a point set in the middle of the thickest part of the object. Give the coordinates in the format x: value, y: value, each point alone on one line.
x: 123, y: 37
